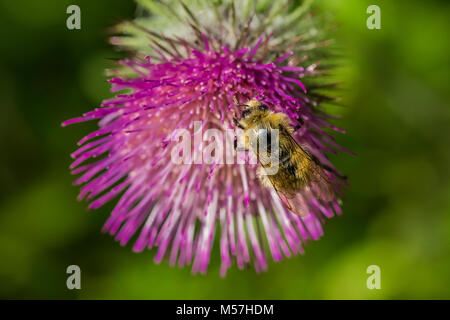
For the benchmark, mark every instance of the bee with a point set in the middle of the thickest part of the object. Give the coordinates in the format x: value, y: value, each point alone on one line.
x: 297, y: 170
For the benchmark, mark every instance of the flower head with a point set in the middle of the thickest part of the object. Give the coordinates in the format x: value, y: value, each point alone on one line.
x: 187, y: 65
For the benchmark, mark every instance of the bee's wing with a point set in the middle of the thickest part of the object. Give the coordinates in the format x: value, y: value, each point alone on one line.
x: 320, y: 183
x: 294, y: 203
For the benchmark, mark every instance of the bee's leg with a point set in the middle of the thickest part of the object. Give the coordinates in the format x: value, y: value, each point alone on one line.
x: 237, y: 124
x: 238, y: 148
x: 236, y: 120
x: 240, y: 126
x: 301, y: 123
x: 334, y: 172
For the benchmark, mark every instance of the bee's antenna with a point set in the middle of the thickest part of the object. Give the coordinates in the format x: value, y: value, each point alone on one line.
x: 236, y: 102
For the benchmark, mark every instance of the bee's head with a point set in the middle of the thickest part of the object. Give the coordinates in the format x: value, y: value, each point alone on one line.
x: 252, y: 108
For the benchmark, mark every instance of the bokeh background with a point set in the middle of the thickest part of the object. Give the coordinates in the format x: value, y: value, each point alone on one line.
x: 396, y: 212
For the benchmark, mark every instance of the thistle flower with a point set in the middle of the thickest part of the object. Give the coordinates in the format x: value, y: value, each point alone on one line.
x: 187, y: 64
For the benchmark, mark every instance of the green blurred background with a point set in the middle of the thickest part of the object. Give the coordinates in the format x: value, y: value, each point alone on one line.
x: 396, y: 212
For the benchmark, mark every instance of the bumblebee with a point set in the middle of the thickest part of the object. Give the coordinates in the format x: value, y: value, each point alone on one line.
x: 297, y: 170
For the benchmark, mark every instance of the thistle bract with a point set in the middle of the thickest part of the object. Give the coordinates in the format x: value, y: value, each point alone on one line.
x: 187, y: 63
